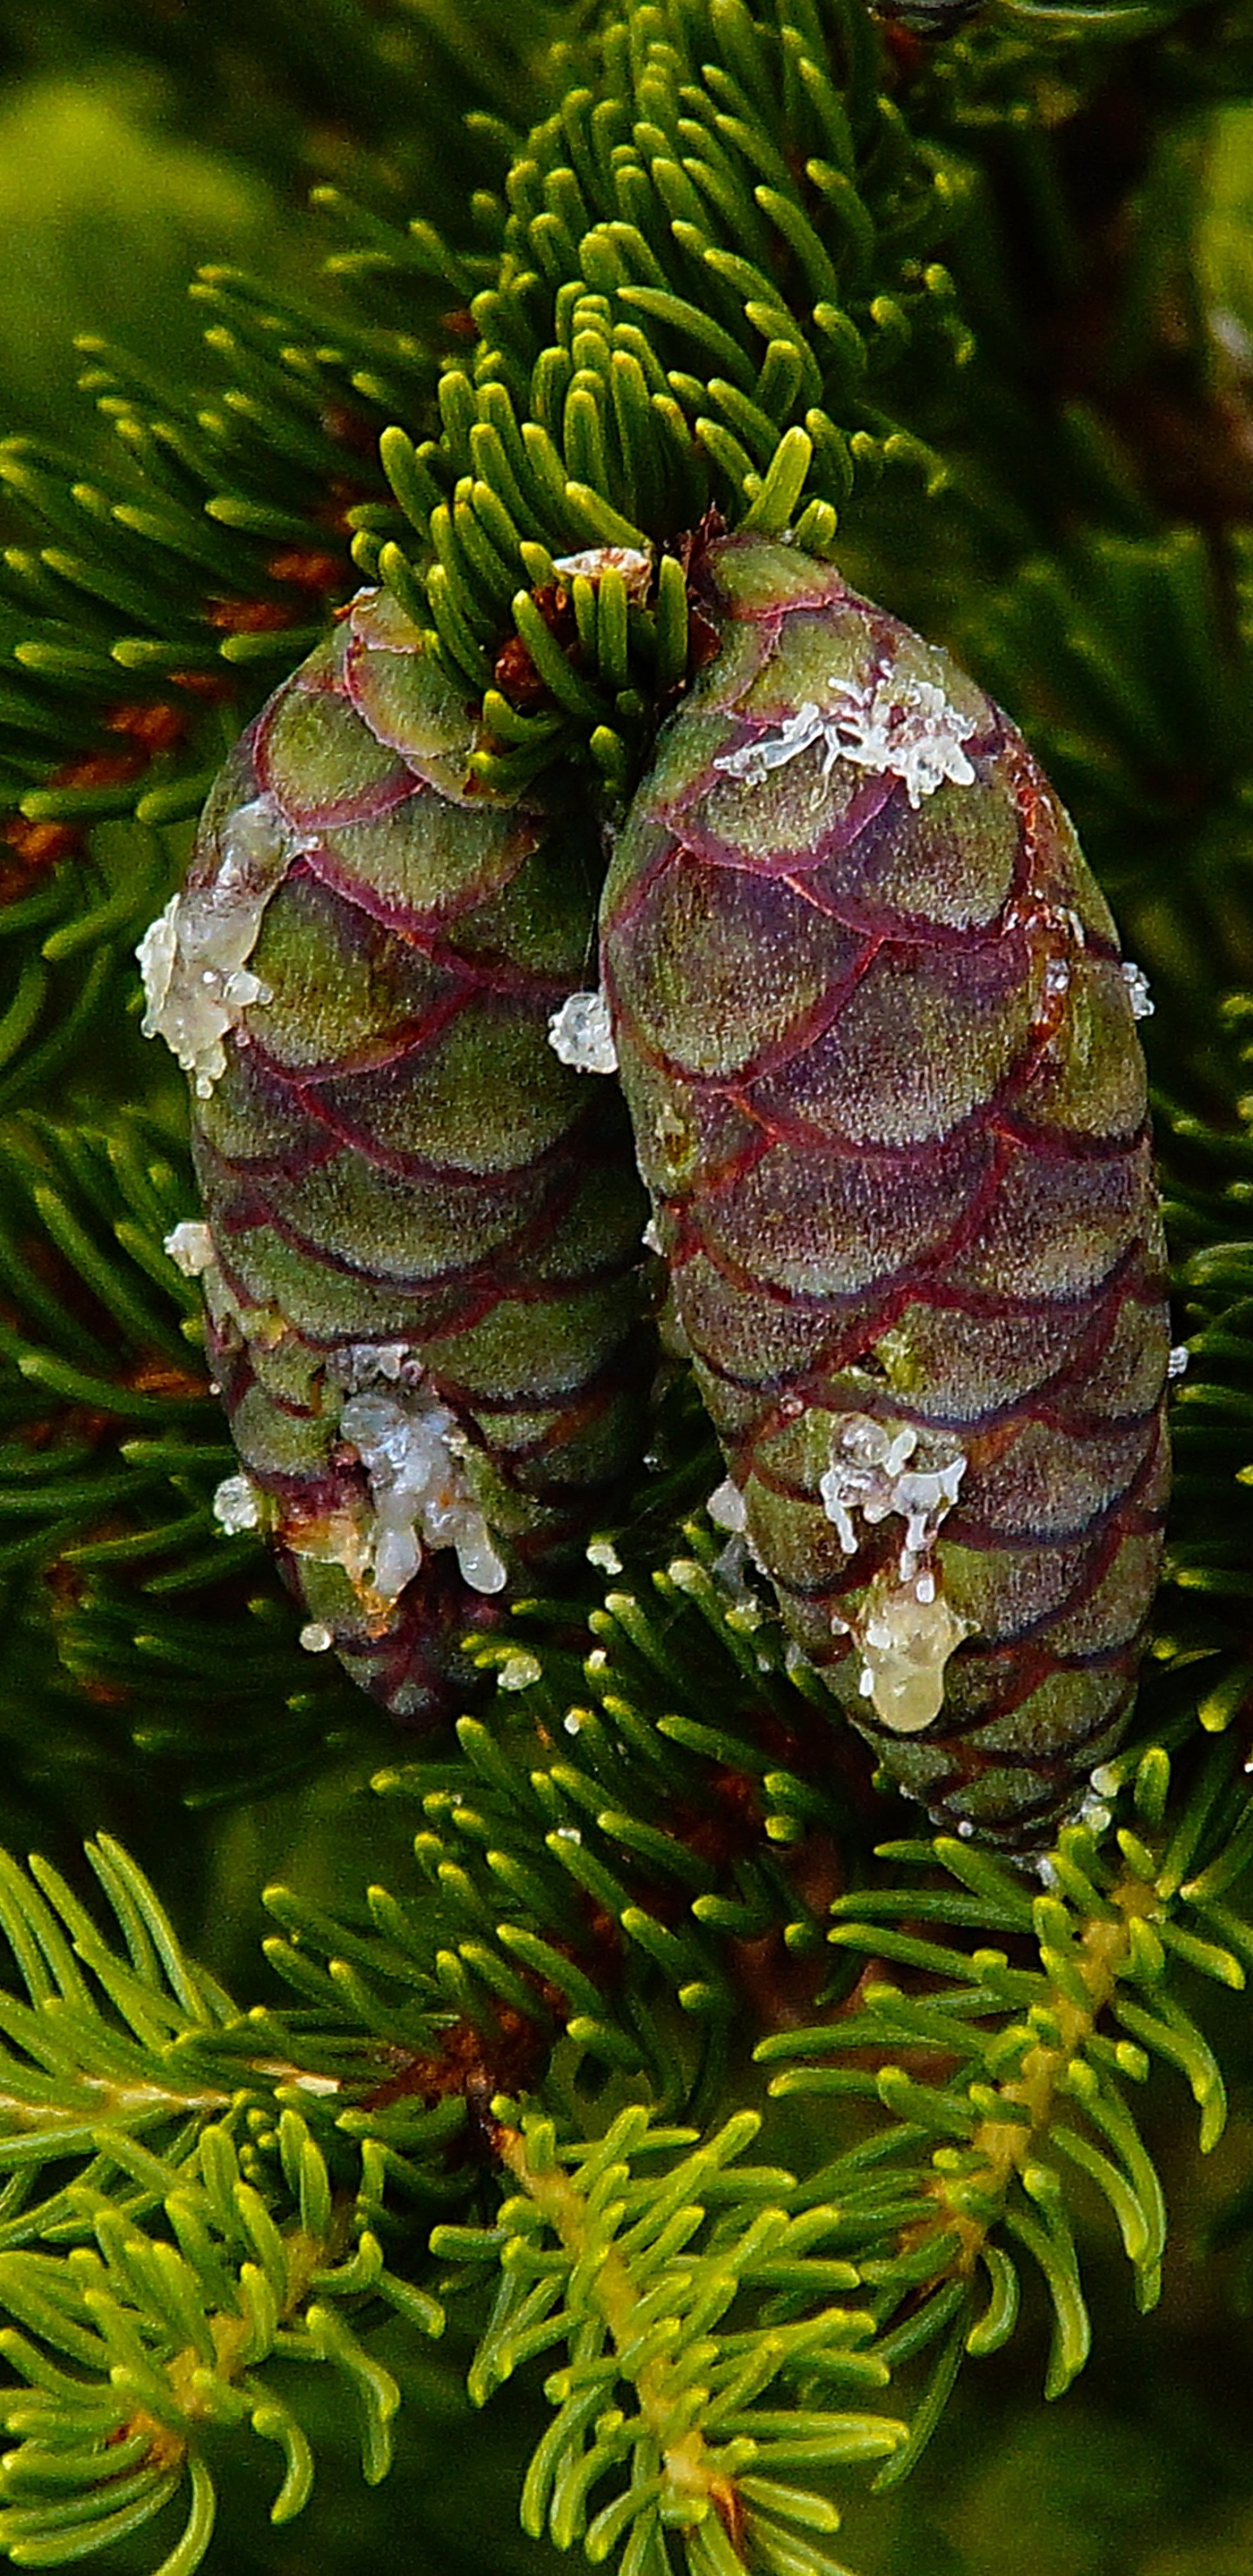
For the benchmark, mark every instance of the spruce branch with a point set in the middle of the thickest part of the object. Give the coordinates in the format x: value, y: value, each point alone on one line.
x: 1018, y: 2071
x: 711, y: 257
x: 168, y: 2339
x: 623, y: 1869
x: 148, y: 615
x: 204, y: 2211
x: 602, y: 1863
x: 1202, y: 1666
x: 1033, y: 2060
x: 119, y: 1575
x: 124, y: 2053
x: 635, y: 2286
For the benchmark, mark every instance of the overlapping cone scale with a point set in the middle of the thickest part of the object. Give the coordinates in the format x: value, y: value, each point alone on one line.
x: 423, y: 1268
x: 888, y: 1096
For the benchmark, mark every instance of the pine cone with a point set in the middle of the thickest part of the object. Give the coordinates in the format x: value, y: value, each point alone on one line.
x: 888, y: 1097
x: 422, y: 1263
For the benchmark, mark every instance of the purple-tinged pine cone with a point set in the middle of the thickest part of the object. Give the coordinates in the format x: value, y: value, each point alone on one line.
x: 880, y: 1055
x: 422, y: 1261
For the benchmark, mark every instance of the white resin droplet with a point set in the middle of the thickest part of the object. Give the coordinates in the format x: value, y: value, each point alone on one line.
x: 580, y: 1034
x: 518, y: 1672
x: 915, y: 734
x: 1177, y: 1363
x: 193, y: 958
x: 1137, y: 983
x: 410, y: 1699
x: 878, y: 1468
x: 190, y: 1247
x: 316, y: 1638
x: 594, y: 562
x: 361, y: 1364
x: 726, y: 1506
x: 480, y: 1566
x: 906, y: 1644
x: 411, y: 1448
x: 905, y: 728
x: 236, y: 1505
x: 602, y: 1553
x: 729, y: 1573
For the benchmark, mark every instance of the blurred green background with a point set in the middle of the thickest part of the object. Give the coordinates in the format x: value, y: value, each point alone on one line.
x: 134, y: 144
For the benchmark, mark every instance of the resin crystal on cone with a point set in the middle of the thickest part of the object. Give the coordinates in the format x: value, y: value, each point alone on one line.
x: 880, y: 1055
x: 422, y: 1270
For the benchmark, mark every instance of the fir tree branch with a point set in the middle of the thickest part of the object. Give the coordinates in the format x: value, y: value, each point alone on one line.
x: 1030, y: 2065
x: 111, y: 1449
x: 711, y: 256
x: 627, y: 1869
x: 168, y: 2339
x: 637, y: 2297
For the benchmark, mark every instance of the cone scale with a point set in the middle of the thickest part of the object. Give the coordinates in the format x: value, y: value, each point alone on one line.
x: 421, y: 1259
x: 879, y: 1050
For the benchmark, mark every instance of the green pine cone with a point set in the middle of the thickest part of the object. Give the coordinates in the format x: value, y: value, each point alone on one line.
x: 422, y: 1262
x: 880, y: 1056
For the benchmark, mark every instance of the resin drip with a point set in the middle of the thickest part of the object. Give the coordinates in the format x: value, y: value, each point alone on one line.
x: 905, y: 1629
x: 412, y: 1452
x: 906, y: 729
x: 193, y: 958
x: 580, y: 1034
x: 906, y: 1642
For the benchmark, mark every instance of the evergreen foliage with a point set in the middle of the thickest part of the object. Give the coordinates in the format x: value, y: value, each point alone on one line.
x: 643, y: 1916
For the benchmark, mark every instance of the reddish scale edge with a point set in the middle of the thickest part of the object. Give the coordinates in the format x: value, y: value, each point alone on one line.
x: 889, y: 1101
x: 394, y: 1156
